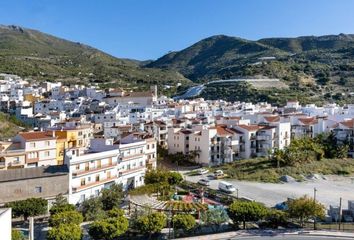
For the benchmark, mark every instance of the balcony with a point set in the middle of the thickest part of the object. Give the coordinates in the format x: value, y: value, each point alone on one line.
x: 263, y: 137
x: 232, y: 142
x: 93, y: 184
x: 93, y: 170
x: 126, y: 158
x: 32, y: 160
x: 132, y: 170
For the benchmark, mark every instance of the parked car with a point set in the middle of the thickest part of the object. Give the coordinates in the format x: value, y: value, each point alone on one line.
x: 204, y: 182
x: 226, y: 187
x: 202, y: 171
x: 218, y: 174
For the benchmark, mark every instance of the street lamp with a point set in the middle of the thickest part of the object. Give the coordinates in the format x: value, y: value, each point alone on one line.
x: 314, y: 200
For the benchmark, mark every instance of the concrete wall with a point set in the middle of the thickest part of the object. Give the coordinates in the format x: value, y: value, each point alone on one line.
x: 23, y: 189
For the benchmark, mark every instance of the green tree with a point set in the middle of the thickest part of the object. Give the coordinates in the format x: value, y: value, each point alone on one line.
x: 65, y: 232
x: 17, y: 235
x: 156, y: 176
x: 61, y: 208
x: 110, y: 228
x: 112, y: 197
x: 28, y: 208
x: 92, y: 209
x: 301, y: 151
x: 151, y: 223
x: 174, y: 178
x: 115, y: 212
x: 305, y: 208
x: 60, y: 200
x: 240, y: 211
x: 276, y: 218
x: 185, y: 222
x: 215, y: 217
x: 67, y: 217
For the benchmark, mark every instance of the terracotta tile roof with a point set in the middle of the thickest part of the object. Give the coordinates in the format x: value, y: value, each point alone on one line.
x: 250, y: 128
x: 272, y: 118
x: 35, y: 136
x: 308, y: 121
x: 348, y: 123
x: 158, y: 122
x: 186, y: 131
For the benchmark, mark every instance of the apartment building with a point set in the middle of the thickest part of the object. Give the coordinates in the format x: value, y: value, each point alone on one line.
x: 134, y: 157
x: 209, y: 145
x: 91, y: 170
x: 11, y: 156
x: 344, y: 133
x: 39, y: 148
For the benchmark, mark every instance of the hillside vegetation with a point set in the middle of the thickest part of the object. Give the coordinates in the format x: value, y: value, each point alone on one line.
x: 322, y: 67
x: 30, y: 53
x: 9, y: 126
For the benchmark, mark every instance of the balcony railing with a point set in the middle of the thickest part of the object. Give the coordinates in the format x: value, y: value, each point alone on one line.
x: 263, y: 137
x: 125, y: 158
x: 93, y: 184
x: 93, y: 170
x: 132, y: 170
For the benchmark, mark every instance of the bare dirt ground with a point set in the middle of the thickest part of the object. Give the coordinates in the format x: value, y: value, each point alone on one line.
x: 329, y: 190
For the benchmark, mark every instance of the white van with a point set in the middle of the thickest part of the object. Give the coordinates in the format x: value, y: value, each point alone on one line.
x: 226, y: 187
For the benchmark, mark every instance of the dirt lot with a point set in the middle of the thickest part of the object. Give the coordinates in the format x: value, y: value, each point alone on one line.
x: 329, y: 190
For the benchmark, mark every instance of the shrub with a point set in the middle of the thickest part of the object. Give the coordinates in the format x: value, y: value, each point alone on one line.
x: 65, y: 232
x: 61, y: 208
x: 110, y: 228
x: 186, y: 222
x: 68, y: 217
x: 17, y: 235
x: 240, y: 211
x: 151, y: 223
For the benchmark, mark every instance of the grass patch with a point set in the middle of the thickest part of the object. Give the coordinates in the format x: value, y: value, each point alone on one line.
x: 264, y: 170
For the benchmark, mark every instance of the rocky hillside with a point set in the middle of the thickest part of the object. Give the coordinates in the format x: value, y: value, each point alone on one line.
x: 303, y: 60
x: 30, y: 53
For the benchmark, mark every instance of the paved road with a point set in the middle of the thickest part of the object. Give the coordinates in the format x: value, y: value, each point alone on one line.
x: 196, y: 90
x: 328, y: 191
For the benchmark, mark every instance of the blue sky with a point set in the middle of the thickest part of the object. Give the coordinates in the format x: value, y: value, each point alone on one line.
x: 147, y: 29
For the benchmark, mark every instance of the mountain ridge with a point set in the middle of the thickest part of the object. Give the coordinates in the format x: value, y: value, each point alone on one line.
x: 31, y: 53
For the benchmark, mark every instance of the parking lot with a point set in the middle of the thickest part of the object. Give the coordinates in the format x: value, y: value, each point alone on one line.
x: 329, y: 190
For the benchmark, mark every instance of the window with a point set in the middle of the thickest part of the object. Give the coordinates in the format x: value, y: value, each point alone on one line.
x: 47, y: 143
x: 47, y: 153
x: 97, y: 192
x: 82, y: 197
x: 148, y: 146
x: 153, y: 146
x: 77, y: 167
x: 97, y: 178
x: 38, y: 189
x: 32, y: 144
x: 141, y: 163
x: 83, y: 182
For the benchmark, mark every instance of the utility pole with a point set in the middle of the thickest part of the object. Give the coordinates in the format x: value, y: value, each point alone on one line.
x: 314, y: 200
x: 31, y: 228
x: 340, y: 213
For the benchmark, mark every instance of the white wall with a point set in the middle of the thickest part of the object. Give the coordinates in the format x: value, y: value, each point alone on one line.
x: 5, y: 223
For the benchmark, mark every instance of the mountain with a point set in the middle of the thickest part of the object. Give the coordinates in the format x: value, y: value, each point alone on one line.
x: 33, y: 54
x: 225, y: 57
x: 316, y: 69
x: 214, y: 57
